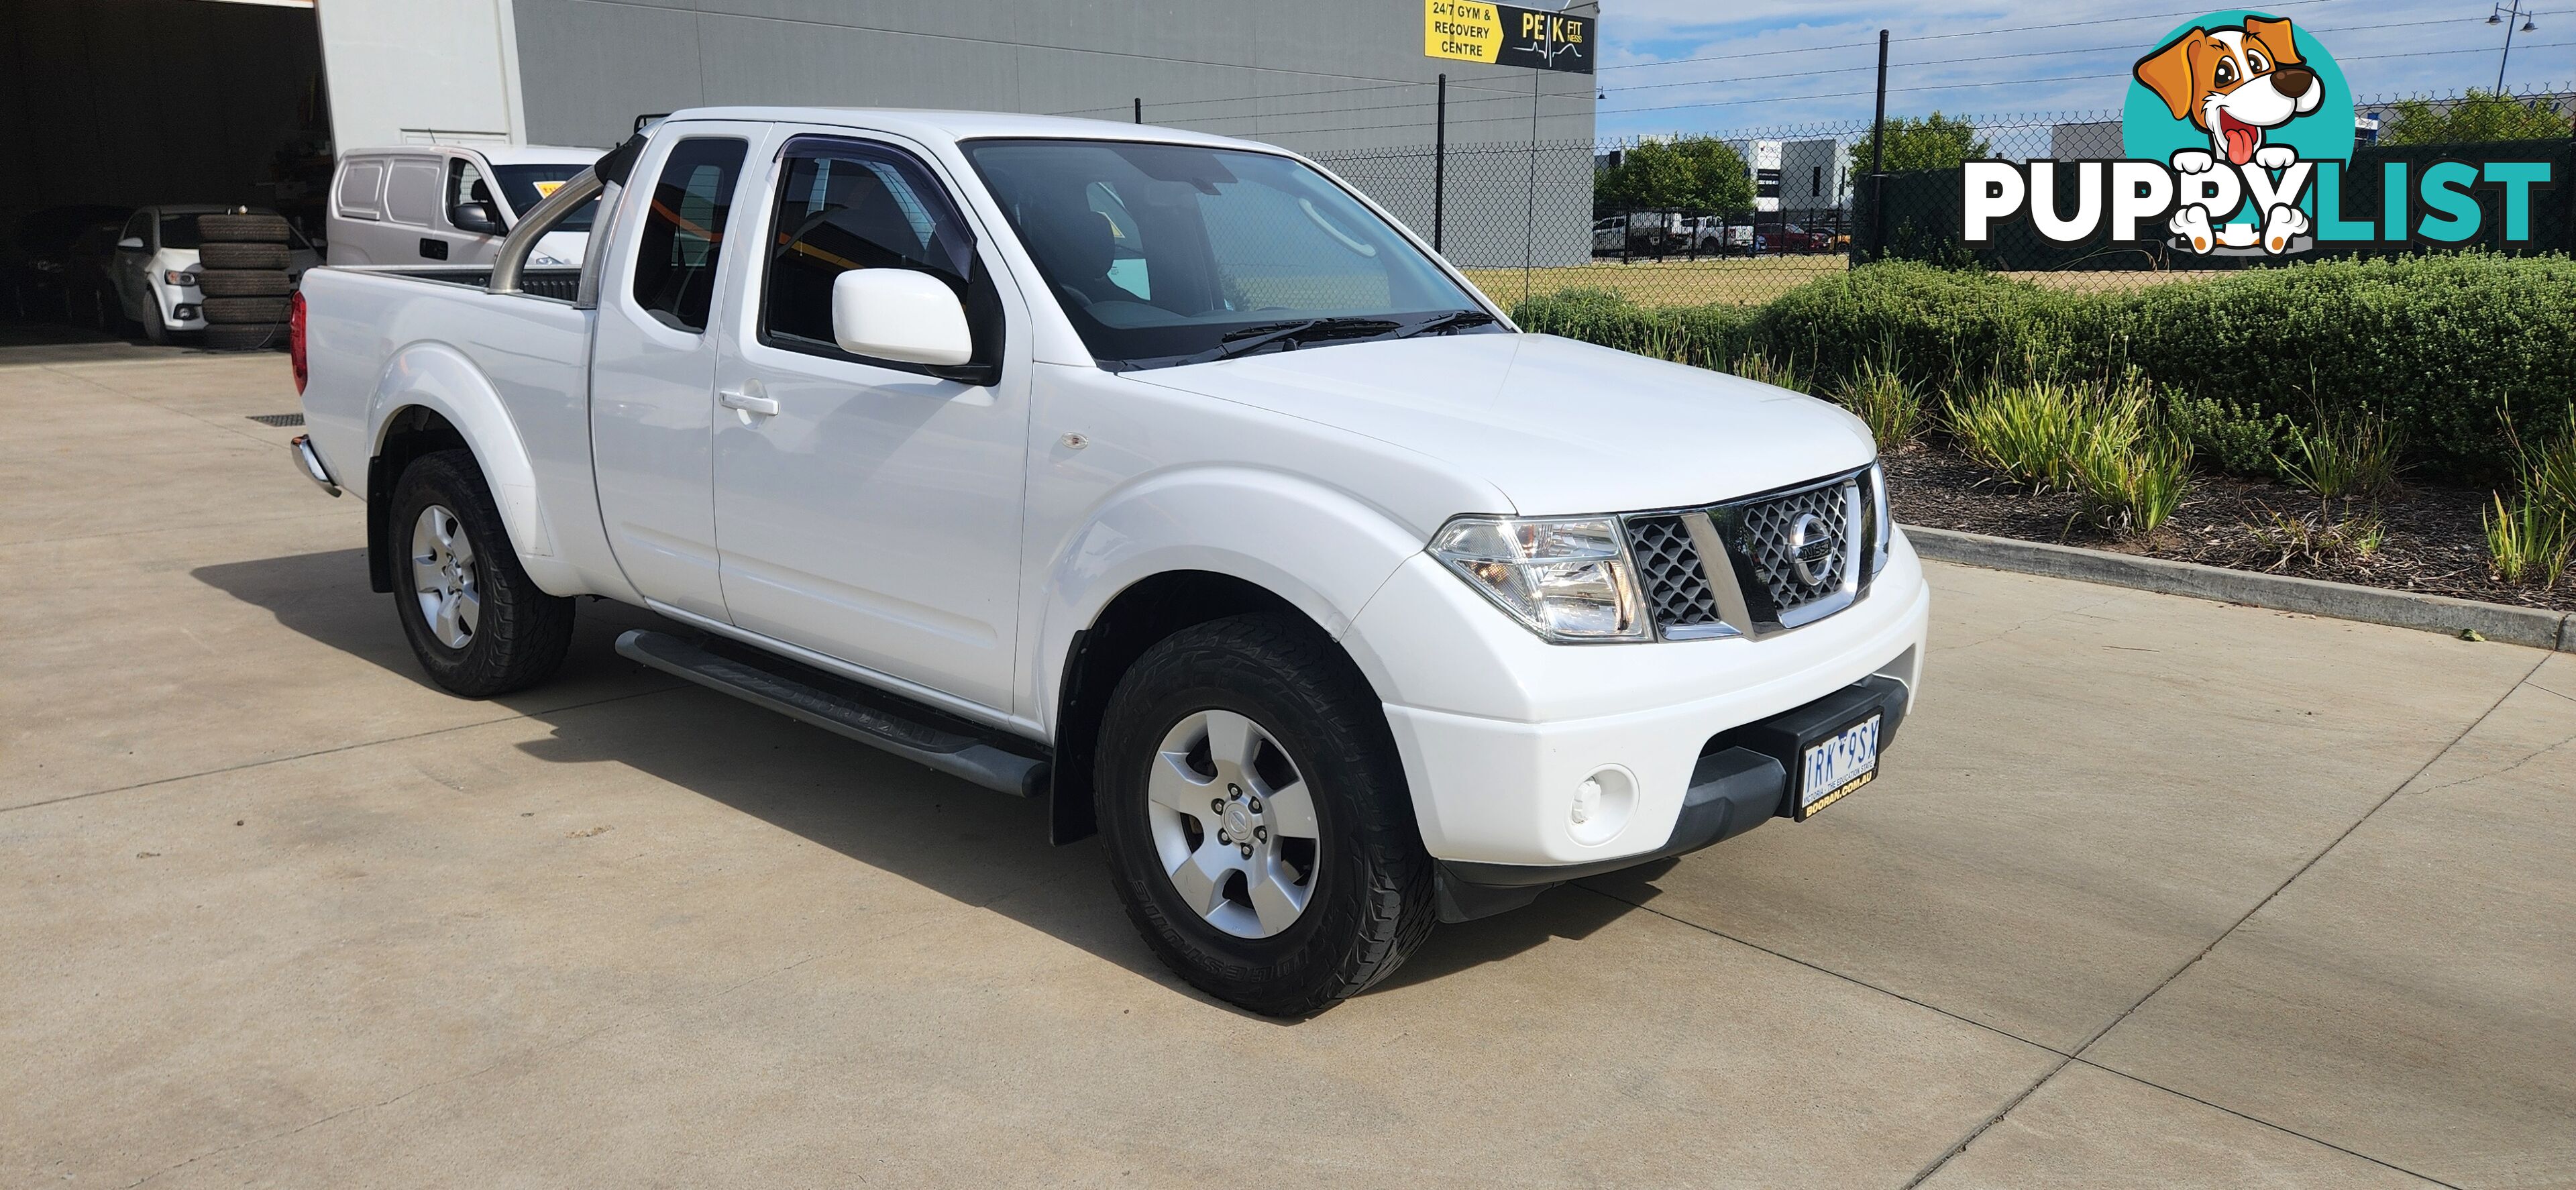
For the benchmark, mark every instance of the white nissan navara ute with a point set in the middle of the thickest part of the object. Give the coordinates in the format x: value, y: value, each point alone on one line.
x: 1157, y: 474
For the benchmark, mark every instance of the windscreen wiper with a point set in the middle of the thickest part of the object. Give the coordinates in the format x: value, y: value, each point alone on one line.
x: 1289, y: 334
x: 1455, y: 320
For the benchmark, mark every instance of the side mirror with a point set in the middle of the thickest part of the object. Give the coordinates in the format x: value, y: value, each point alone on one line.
x: 131, y: 243
x: 475, y: 217
x: 899, y: 314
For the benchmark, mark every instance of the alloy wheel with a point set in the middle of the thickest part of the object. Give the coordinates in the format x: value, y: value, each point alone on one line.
x: 1233, y: 823
x: 444, y: 578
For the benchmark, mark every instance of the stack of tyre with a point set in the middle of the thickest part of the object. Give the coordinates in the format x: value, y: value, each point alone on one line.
x: 241, y: 268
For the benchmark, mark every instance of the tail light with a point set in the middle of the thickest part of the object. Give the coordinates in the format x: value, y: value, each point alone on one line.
x: 295, y: 339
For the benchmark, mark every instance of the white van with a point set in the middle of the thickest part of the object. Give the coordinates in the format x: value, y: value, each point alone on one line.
x: 450, y: 204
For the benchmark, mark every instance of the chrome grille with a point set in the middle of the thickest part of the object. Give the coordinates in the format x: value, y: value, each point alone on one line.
x: 1774, y: 536
x: 1677, y: 592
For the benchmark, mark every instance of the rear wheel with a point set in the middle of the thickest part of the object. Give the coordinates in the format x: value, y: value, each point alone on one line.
x: 1256, y: 818
x: 475, y: 619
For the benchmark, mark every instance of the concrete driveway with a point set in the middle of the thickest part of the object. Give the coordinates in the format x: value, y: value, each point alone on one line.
x: 2154, y: 892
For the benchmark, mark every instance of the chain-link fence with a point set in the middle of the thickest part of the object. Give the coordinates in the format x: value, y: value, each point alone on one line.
x: 1528, y: 219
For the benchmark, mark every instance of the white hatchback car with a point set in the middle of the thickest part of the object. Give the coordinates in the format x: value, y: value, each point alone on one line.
x: 156, y: 266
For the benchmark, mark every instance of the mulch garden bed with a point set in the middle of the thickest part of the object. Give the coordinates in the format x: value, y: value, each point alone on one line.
x: 2433, y: 539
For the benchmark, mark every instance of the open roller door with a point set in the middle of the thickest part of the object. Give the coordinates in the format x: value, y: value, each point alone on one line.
x: 111, y: 105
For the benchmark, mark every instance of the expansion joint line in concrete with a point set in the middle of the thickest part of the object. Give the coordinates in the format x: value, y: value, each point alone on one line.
x: 2204, y: 952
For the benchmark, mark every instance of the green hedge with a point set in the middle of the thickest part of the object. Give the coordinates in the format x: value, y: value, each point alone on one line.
x: 2441, y: 346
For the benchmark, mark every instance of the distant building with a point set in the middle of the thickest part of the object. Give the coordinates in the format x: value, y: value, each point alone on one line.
x: 2094, y: 140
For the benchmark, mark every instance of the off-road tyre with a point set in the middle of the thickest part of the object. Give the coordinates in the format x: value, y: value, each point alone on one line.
x: 241, y: 229
x: 241, y: 256
x: 241, y: 283
x: 522, y: 633
x: 1371, y: 903
x: 239, y: 310
x: 237, y: 336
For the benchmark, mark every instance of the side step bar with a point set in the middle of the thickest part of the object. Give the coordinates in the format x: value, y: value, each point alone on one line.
x: 958, y: 755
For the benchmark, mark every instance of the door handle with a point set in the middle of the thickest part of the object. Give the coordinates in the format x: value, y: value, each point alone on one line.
x: 747, y: 402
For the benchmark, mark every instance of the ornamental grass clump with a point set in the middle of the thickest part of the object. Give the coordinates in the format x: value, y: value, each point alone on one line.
x: 1880, y: 395
x: 2533, y: 539
x: 2131, y: 483
x: 1761, y: 368
x: 2026, y: 430
x: 2343, y: 457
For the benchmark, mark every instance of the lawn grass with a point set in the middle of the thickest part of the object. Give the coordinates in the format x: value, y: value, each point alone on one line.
x: 1748, y: 282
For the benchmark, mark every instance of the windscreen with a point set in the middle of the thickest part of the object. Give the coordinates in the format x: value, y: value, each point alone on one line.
x: 180, y: 231
x: 1165, y: 254
x: 524, y: 186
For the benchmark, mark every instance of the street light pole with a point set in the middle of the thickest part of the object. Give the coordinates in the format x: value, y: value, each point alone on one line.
x: 2505, y: 15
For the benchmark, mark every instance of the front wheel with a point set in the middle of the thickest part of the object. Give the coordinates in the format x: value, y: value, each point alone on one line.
x: 475, y: 619
x: 1256, y: 817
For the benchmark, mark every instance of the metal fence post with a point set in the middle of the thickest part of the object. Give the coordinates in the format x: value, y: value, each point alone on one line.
x: 1529, y: 211
x: 1878, y: 160
x: 1439, y: 161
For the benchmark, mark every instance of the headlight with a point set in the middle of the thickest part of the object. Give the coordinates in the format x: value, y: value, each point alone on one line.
x: 1567, y: 579
x: 183, y: 280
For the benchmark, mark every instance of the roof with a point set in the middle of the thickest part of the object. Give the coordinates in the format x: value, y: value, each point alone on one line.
x: 934, y: 124
x: 496, y: 154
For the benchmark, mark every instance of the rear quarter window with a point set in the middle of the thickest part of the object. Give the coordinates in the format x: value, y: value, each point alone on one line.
x: 359, y: 184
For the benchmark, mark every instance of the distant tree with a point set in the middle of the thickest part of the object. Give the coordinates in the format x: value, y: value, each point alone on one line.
x: 1698, y: 174
x: 2481, y: 116
x: 1932, y: 142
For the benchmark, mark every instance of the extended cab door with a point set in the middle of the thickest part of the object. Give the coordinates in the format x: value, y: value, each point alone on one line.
x: 411, y: 212
x: 868, y: 509
x: 653, y: 361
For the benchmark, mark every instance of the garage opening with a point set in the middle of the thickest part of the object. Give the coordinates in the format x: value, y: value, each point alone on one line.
x: 113, y: 106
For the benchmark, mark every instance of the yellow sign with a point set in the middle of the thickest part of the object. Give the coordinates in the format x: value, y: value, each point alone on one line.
x: 1462, y: 29
x: 1503, y: 35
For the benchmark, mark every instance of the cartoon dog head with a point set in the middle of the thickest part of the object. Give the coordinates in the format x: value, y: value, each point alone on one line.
x: 2233, y: 83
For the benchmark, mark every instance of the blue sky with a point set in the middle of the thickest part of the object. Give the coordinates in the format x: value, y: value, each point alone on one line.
x: 1981, y: 55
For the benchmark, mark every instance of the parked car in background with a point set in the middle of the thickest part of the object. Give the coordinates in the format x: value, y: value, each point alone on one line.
x: 450, y: 204
x: 36, y: 258
x: 1155, y: 473
x: 1711, y: 235
x: 1793, y: 238
x: 159, y: 256
x: 89, y: 282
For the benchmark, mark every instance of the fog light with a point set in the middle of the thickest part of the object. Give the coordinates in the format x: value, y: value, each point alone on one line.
x: 1601, y: 804
x: 184, y: 311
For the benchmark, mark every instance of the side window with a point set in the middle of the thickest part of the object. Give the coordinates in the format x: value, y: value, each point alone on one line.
x: 675, y: 264
x: 844, y: 206
x: 358, y: 189
x: 464, y: 184
x: 411, y: 191
x: 137, y: 228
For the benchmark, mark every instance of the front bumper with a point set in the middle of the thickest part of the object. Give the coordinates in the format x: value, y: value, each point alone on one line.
x: 1500, y: 732
x: 1742, y: 781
